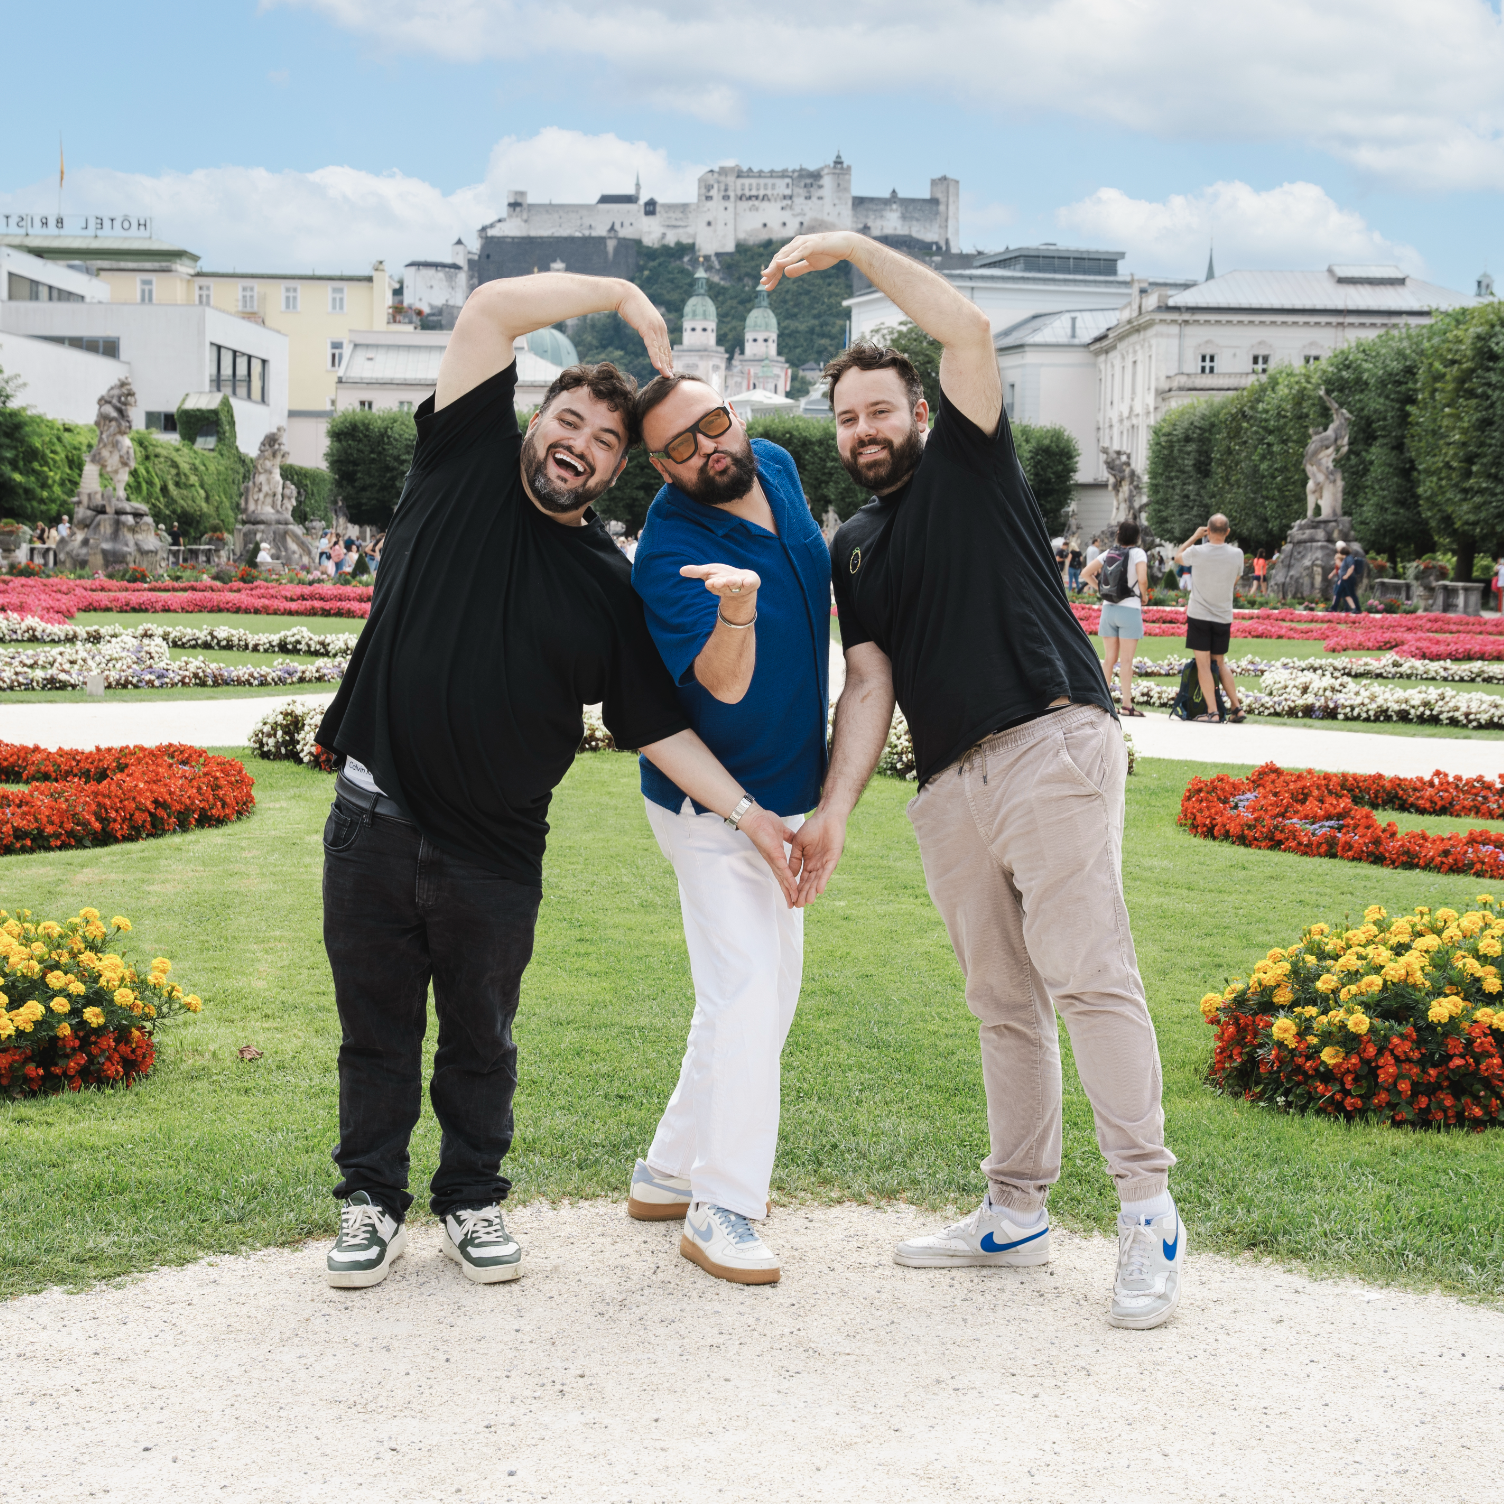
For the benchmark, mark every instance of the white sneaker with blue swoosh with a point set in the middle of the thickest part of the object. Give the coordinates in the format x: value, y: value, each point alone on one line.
x: 725, y: 1244
x: 985, y: 1237
x: 656, y: 1197
x: 1151, y: 1261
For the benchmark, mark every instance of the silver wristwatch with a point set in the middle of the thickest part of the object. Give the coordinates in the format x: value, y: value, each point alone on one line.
x: 735, y: 818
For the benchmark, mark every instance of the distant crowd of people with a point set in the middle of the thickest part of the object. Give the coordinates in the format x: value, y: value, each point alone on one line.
x: 343, y: 556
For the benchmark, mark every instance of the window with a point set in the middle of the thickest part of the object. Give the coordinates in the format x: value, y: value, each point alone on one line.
x: 24, y: 290
x: 146, y: 289
x: 404, y: 406
x: 1208, y: 364
x: 1012, y: 395
x: 238, y: 374
x: 205, y: 295
x: 366, y: 405
x: 162, y: 422
x: 290, y: 297
x: 1313, y: 360
x: 336, y: 299
x: 248, y: 297
x: 336, y: 353
x: 100, y: 344
x: 1260, y: 365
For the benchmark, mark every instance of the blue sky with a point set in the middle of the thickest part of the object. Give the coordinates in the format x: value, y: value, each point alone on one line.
x: 326, y: 133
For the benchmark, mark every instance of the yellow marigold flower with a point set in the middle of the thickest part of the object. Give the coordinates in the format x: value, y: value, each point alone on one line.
x: 1230, y: 991
x: 1487, y: 898
x: 1277, y: 954
x: 33, y: 1010
x: 1284, y: 1030
x: 77, y: 988
x: 1358, y: 1023
x: 193, y: 1003
x: 61, y: 1005
x: 1427, y: 943
x: 124, y: 996
x: 1371, y: 984
x: 1282, y: 970
x: 95, y: 930
x: 1396, y: 971
x: 1470, y: 924
x: 1438, y: 1013
x: 121, y: 923
x: 1332, y: 1056
x: 1378, y: 956
x: 1292, y: 951
x: 7, y: 1028
x: 11, y: 927
x: 1483, y: 1015
x: 1210, y: 1004
x: 1311, y: 1039
x: 1318, y: 930
x: 1451, y: 935
x: 57, y: 980
x: 1346, y: 993
x: 94, y: 1016
x: 1445, y: 916
x: 148, y: 1010
x: 1375, y: 911
x: 88, y: 913
x: 1488, y: 946
x: 1492, y: 984
x: 50, y: 929
x: 162, y: 964
x: 1327, y: 983
x: 64, y: 1032
x: 1471, y: 967
x: 1349, y: 962
x: 1284, y: 993
x: 38, y: 949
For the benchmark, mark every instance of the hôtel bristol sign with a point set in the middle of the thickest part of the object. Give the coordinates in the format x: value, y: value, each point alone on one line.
x: 77, y: 224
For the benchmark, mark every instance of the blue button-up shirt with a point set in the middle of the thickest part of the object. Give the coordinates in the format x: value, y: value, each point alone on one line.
x: 773, y: 739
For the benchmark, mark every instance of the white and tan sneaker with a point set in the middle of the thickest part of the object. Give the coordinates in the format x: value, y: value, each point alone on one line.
x: 655, y: 1197
x: 726, y: 1245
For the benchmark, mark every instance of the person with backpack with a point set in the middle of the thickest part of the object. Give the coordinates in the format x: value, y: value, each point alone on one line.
x: 1348, y: 572
x: 1216, y: 567
x: 1121, y: 579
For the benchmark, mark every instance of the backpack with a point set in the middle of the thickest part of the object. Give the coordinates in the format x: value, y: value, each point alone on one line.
x: 1113, y: 584
x: 1190, y: 702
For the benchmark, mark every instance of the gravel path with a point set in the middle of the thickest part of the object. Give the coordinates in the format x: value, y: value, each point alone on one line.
x: 120, y: 723
x: 615, y: 1370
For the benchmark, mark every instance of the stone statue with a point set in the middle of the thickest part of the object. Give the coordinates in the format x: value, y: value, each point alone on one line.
x: 262, y: 496
x: 1327, y: 446
x: 114, y: 456
x: 828, y: 526
x: 1125, y: 482
x: 266, y: 511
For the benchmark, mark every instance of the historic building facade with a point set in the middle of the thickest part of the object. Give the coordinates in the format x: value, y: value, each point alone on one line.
x: 757, y: 366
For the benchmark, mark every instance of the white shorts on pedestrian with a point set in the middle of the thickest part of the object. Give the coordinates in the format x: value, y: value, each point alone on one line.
x: 746, y: 956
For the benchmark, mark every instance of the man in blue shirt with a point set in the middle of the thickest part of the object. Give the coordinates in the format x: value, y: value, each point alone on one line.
x: 746, y: 639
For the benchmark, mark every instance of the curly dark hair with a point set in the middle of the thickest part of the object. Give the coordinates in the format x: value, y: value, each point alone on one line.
x: 617, y: 389
x: 865, y: 356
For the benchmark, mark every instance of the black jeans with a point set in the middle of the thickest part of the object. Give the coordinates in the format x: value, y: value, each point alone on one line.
x: 399, y: 913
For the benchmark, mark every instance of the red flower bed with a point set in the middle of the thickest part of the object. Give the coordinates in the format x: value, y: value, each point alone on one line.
x: 1331, y: 814
x: 55, y: 600
x: 1393, y: 1021
x: 114, y: 794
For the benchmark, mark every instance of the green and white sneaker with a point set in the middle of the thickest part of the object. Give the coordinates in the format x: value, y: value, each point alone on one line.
x: 1151, y: 1263
x: 370, y: 1241
x: 477, y: 1240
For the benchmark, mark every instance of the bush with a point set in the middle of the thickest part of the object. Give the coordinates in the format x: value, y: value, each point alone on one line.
x: 369, y: 455
x: 290, y: 734
x: 315, y: 489
x: 1049, y: 455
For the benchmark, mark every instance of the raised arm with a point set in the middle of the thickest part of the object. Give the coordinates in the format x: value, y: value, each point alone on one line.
x: 968, y: 363
x: 498, y: 311
x: 1190, y: 542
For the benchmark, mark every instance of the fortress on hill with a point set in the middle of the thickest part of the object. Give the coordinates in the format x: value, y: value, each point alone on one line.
x: 737, y: 205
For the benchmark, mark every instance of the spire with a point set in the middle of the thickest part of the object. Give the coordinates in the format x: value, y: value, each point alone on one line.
x: 1211, y: 266
x: 637, y: 189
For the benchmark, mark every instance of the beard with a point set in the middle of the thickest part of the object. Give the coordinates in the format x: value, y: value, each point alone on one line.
x: 886, y: 470
x: 720, y: 490
x: 548, y: 493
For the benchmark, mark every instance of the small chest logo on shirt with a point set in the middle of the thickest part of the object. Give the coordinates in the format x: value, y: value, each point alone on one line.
x: 856, y: 560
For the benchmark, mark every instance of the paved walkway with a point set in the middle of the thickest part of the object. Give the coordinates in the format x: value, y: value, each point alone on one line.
x: 615, y: 1370
x: 121, y: 723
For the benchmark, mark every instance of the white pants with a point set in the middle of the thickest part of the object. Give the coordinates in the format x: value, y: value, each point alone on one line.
x: 746, y: 955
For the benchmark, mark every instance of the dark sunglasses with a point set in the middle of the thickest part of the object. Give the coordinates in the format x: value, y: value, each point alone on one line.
x: 683, y: 445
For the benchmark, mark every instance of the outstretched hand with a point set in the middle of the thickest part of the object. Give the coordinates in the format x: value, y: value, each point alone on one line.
x: 770, y: 835
x: 724, y: 579
x: 816, y: 848
x: 637, y: 309
x: 808, y: 253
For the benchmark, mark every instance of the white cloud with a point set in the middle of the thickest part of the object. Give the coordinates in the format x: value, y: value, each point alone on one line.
x: 341, y: 219
x: 1407, y: 93
x: 1296, y: 225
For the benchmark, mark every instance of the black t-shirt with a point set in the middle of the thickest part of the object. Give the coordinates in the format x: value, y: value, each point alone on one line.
x: 491, y: 626
x: 953, y: 577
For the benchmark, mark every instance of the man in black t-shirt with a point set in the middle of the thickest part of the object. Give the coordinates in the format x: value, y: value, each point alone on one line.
x: 950, y: 598
x: 501, y: 608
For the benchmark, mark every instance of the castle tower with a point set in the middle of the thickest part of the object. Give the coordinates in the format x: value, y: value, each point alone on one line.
x: 697, y: 353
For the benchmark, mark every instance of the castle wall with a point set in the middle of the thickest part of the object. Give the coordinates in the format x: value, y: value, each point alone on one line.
x: 591, y: 255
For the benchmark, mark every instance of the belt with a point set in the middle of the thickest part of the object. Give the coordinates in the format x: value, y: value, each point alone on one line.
x: 367, y: 802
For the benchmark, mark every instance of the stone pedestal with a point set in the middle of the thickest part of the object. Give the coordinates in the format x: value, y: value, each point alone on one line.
x: 285, y: 541
x: 109, y: 531
x: 1309, y: 556
x: 1458, y: 598
x: 1390, y: 589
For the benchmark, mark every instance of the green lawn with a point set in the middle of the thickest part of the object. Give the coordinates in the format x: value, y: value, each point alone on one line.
x: 882, y: 1088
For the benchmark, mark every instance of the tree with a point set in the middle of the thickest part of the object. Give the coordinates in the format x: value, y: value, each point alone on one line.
x: 1049, y: 455
x: 41, y: 460
x: 315, y: 490
x: 369, y: 455
x: 1181, y: 446
x: 923, y: 350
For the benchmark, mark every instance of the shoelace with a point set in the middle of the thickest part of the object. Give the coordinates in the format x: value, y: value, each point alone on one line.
x: 484, y: 1228
x: 358, y: 1224
x: 1135, y: 1259
x: 734, y: 1225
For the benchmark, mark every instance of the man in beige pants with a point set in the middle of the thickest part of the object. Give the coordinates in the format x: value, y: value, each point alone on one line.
x: 949, y: 598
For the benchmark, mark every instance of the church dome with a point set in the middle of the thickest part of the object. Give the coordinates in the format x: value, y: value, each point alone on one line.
x: 699, y: 309
x: 553, y: 345
x: 762, y: 319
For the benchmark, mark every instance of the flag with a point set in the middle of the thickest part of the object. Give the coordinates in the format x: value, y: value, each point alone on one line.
x: 59, y: 164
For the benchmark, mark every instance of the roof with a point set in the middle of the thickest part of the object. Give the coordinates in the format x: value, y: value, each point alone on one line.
x: 1061, y: 260
x: 554, y: 346
x: 395, y: 363
x: 699, y: 305
x: 760, y: 316
x: 447, y: 266
x: 290, y: 276
x: 100, y: 248
x: 1320, y: 290
x: 1055, y: 328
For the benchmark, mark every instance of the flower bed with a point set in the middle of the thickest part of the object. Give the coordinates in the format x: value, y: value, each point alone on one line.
x: 290, y: 734
x: 1331, y: 814
x: 135, y: 661
x: 15, y: 628
x: 1393, y: 666
x: 114, y: 794
x: 74, y: 1013
x: 1394, y: 1021
x: 57, y: 600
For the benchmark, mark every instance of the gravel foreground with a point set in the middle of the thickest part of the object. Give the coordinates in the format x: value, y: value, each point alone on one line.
x: 615, y: 1370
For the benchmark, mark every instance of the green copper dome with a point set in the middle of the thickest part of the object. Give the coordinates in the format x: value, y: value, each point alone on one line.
x: 699, y: 309
x: 762, y: 319
x: 553, y: 345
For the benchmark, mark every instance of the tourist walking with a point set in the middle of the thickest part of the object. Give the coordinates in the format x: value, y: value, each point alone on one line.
x: 458, y: 716
x: 1215, y: 567
x: 746, y: 640
x: 1121, y: 578
x: 949, y: 598
x: 1073, y: 565
x: 1260, y: 572
x: 1348, y: 573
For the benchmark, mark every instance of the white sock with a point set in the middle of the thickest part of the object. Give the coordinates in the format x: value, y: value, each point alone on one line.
x: 1135, y: 1211
x: 1021, y: 1220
